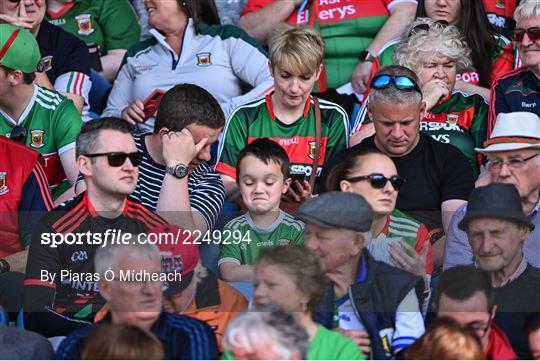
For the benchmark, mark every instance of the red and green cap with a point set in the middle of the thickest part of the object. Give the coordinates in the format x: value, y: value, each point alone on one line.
x: 19, y: 49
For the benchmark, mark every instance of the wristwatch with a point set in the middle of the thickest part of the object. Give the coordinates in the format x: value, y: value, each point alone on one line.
x: 366, y: 56
x: 178, y: 170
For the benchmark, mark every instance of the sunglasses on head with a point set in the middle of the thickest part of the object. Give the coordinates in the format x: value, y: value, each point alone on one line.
x: 532, y: 33
x: 18, y: 134
x: 379, y: 181
x: 117, y: 159
x: 401, y: 82
x: 426, y: 27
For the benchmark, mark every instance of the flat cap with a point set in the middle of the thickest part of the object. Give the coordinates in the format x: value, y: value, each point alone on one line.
x: 337, y: 210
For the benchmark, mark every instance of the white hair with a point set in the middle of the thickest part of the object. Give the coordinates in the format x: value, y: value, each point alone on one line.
x: 110, y: 255
x: 527, y: 9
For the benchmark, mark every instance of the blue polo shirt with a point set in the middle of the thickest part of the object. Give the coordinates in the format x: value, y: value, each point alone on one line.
x: 183, y: 338
x: 67, y: 58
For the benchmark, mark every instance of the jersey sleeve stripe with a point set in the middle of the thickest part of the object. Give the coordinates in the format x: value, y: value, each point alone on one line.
x: 43, y: 186
x: 68, y: 216
x: 83, y: 215
x: 144, y: 211
x: 36, y: 282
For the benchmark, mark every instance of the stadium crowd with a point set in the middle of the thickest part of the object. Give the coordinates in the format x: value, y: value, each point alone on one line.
x: 270, y: 179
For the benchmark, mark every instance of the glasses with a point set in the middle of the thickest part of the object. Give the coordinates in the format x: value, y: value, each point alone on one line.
x: 379, y: 181
x: 400, y: 81
x: 426, y: 27
x: 117, y: 159
x: 532, y: 33
x: 18, y: 134
x: 515, y: 163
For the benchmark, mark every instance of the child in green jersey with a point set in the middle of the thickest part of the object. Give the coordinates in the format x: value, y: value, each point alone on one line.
x: 262, y: 174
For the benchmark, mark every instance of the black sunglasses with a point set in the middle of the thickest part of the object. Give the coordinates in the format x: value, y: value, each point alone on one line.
x: 401, y: 82
x: 14, y: 1
x: 117, y: 159
x: 378, y: 181
x: 427, y: 27
x: 18, y: 134
x: 532, y: 33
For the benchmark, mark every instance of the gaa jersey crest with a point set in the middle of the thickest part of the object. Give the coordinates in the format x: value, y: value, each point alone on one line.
x: 84, y: 23
x: 3, y: 183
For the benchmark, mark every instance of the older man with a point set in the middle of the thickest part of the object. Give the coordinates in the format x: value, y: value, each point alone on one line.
x: 139, y: 303
x: 439, y: 177
x: 376, y: 303
x: 465, y: 294
x: 513, y: 152
x: 519, y: 90
x: 496, y: 227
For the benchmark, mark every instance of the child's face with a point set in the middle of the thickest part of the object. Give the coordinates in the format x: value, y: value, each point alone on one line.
x: 261, y: 184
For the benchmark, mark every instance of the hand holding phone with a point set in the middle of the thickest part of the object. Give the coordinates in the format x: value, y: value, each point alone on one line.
x: 151, y: 103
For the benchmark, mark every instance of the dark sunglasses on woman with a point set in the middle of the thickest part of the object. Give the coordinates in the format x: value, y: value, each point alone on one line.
x: 117, y: 159
x: 378, y: 181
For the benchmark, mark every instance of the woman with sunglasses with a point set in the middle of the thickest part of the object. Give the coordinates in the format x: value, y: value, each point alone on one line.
x: 397, y: 238
x: 188, y: 46
x: 492, y: 55
x: 437, y: 56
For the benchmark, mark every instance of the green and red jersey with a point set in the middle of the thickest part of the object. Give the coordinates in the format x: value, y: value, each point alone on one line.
x: 500, y: 14
x: 257, y: 120
x: 460, y: 121
x: 112, y: 24
x: 347, y: 26
x: 52, y: 123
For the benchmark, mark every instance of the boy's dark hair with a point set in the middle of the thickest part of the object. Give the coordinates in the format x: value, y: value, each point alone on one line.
x: 461, y: 282
x: 265, y: 150
x: 185, y: 104
x: 86, y: 140
x: 532, y: 323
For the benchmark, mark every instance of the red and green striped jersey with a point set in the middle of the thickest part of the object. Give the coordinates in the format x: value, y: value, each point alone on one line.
x: 257, y: 120
x: 347, y: 26
x: 460, y: 121
x: 52, y: 123
x: 502, y: 60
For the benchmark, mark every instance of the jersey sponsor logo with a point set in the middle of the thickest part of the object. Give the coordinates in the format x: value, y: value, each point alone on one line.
x: 79, y: 256
x: 307, y: 169
x: 84, y: 22
x: 57, y: 22
x: 443, y: 138
x: 283, y: 242
x: 528, y: 105
x: 145, y: 67
x: 37, y: 138
x: 45, y: 64
x: 204, y: 59
x: 3, y: 184
x: 468, y: 77
x: 436, y: 126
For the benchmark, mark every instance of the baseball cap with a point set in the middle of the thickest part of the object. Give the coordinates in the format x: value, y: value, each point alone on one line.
x: 178, y: 256
x: 19, y: 49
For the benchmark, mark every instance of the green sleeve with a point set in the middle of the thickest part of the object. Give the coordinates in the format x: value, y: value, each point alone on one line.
x: 67, y: 124
x: 337, y: 134
x: 235, y: 138
x: 119, y: 22
x: 351, y: 351
x: 479, y: 123
x: 299, y: 237
x: 227, y: 356
x: 229, y: 250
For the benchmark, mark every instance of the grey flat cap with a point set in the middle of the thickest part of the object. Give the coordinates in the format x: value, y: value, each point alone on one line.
x: 337, y: 210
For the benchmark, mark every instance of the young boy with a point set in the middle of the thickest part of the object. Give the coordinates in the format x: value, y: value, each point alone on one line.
x: 262, y: 174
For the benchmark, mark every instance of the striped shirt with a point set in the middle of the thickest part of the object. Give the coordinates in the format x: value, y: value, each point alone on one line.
x: 206, y: 191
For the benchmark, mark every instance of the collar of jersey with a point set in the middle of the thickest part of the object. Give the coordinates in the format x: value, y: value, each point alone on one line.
x: 189, y: 33
x: 92, y: 210
x: 270, y: 107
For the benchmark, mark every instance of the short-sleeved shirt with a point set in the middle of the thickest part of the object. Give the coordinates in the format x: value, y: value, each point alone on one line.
x: 52, y: 123
x: 68, y: 60
x: 257, y: 120
x: 285, y: 230
x: 435, y: 172
x: 517, y: 91
x: 205, y: 187
x: 347, y: 27
x: 400, y: 226
x: 112, y: 24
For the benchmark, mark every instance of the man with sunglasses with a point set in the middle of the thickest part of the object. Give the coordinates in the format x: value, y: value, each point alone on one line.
x: 513, y: 153
x: 439, y: 177
x: 32, y: 115
x: 519, y: 91
x: 67, y: 238
x: 496, y: 227
x: 465, y: 294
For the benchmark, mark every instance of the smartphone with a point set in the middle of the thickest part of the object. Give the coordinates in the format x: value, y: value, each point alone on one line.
x: 151, y: 103
x: 95, y: 58
x: 300, y: 177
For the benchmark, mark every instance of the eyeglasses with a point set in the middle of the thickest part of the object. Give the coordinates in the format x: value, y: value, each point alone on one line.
x: 379, y: 181
x: 426, y: 27
x: 515, y: 163
x: 18, y: 134
x: 532, y: 33
x: 401, y: 82
x: 117, y: 159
